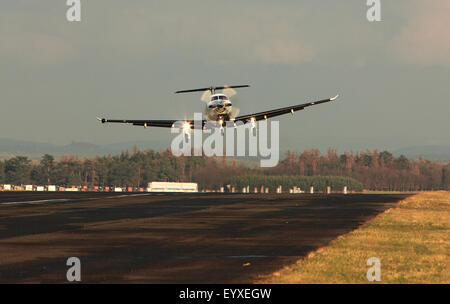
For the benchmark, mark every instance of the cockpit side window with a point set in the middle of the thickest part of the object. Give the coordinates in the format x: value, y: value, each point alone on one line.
x: 215, y: 98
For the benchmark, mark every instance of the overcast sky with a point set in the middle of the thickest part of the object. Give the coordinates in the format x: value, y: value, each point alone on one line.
x: 126, y: 58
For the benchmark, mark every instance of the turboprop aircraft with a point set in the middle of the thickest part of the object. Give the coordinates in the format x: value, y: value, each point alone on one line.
x: 219, y: 110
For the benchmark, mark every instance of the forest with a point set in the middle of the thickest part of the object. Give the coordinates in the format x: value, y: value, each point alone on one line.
x: 374, y: 170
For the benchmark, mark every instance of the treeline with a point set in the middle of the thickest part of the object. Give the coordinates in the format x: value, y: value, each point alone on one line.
x: 376, y: 171
x: 127, y: 169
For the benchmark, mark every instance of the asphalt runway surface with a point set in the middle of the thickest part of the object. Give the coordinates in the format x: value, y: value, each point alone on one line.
x: 170, y: 238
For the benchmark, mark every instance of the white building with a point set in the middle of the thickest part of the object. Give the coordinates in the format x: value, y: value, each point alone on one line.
x: 172, y: 187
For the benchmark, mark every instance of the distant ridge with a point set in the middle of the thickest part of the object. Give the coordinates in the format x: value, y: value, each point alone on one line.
x: 34, y: 150
x: 431, y: 152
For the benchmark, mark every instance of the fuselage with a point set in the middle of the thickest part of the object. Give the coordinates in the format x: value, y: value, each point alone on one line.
x: 219, y: 108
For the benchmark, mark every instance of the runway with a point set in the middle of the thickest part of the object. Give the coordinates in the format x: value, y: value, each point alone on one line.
x: 170, y: 238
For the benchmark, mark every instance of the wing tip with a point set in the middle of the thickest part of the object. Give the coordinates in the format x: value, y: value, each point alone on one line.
x: 334, y: 98
x: 102, y: 120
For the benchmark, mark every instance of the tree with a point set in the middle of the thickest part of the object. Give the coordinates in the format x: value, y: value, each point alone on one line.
x: 47, y: 166
x: 2, y: 172
x: 17, y: 170
x: 402, y: 162
x: 446, y: 177
x: 387, y: 158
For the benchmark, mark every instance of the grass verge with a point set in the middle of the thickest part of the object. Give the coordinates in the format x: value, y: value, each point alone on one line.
x: 412, y: 242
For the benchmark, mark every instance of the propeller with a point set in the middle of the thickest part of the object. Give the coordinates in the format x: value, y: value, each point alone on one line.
x: 228, y: 92
x: 206, y: 96
x: 235, y: 110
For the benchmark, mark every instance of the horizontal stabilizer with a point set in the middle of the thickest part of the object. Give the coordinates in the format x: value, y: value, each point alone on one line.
x: 212, y: 89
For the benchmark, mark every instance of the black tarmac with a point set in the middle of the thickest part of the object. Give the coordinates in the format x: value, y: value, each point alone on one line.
x: 170, y: 238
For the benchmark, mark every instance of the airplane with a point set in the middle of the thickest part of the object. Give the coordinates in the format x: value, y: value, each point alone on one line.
x: 219, y: 110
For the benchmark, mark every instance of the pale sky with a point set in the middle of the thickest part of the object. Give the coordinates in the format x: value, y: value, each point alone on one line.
x: 126, y: 58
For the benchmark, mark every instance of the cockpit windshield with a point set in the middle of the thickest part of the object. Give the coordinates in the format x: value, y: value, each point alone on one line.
x: 219, y: 97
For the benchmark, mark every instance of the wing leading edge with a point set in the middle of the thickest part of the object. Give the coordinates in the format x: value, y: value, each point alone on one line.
x: 149, y: 123
x: 282, y: 111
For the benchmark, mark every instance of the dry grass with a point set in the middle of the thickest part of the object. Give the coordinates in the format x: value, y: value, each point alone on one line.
x: 411, y: 240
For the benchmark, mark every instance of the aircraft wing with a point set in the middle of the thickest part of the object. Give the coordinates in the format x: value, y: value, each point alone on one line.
x: 281, y: 111
x: 243, y: 118
x: 149, y: 123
